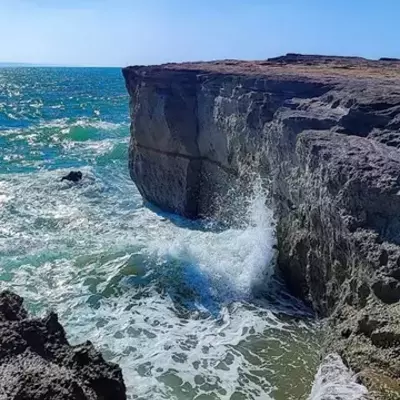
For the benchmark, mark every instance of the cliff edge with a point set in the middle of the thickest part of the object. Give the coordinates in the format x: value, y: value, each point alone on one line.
x: 323, y: 133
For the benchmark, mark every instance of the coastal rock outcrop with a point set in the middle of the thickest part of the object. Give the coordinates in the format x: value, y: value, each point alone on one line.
x: 38, y: 363
x: 323, y: 134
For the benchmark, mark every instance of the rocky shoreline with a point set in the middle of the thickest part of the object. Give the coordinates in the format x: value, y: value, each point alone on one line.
x: 324, y: 135
x: 38, y: 363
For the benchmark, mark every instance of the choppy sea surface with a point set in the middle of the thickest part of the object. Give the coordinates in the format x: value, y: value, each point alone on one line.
x: 188, y: 310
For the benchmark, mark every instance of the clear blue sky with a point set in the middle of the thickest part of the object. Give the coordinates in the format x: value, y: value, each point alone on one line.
x: 122, y: 32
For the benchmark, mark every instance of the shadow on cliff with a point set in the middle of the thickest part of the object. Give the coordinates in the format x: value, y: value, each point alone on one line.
x: 203, y: 225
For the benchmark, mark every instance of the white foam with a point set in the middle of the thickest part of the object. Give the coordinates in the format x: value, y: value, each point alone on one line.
x: 235, y: 259
x: 335, y: 381
x: 61, y: 125
x: 3, y: 193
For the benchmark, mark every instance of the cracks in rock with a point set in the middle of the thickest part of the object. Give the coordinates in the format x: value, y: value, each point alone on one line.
x: 228, y: 170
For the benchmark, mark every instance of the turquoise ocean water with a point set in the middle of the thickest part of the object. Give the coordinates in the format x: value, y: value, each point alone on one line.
x: 174, y: 302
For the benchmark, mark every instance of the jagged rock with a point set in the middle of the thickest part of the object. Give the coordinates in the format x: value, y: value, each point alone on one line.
x: 37, y: 362
x: 324, y: 135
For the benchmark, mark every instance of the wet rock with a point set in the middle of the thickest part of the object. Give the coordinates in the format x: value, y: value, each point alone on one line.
x: 38, y: 363
x: 382, y: 387
x: 395, y: 273
x: 363, y: 291
x: 367, y: 325
x: 387, y: 289
x: 385, y: 338
x: 73, y: 176
x: 11, y: 308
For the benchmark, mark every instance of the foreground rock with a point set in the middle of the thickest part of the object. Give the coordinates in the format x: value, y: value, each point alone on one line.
x: 37, y: 362
x: 323, y: 133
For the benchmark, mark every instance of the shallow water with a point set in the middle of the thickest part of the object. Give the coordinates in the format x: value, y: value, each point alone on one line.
x: 189, y: 310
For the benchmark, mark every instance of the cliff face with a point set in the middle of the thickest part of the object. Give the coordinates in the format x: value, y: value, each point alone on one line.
x: 323, y: 134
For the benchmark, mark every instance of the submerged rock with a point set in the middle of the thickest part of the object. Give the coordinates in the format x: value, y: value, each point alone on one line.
x: 73, y: 176
x: 38, y: 363
x: 323, y: 133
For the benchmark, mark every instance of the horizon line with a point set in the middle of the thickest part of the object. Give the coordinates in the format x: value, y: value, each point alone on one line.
x: 6, y: 64
x: 45, y: 65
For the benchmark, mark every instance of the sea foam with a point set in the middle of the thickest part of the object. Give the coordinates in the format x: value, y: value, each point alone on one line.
x: 335, y: 381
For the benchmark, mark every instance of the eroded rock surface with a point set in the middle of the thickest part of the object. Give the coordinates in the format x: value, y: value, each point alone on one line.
x: 38, y: 363
x: 324, y: 135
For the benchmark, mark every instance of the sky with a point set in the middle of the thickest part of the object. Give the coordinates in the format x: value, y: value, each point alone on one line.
x: 132, y: 32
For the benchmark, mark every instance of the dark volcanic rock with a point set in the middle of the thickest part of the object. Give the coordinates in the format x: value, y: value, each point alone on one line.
x: 323, y: 133
x: 37, y: 362
x: 73, y: 176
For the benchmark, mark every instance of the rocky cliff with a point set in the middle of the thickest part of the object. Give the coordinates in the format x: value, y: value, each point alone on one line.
x: 37, y: 362
x: 323, y: 133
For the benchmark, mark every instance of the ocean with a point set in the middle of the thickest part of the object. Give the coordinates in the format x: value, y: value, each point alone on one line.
x: 189, y: 310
